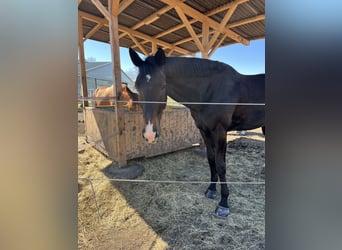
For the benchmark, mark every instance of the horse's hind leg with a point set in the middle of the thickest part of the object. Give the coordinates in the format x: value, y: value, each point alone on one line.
x: 211, y: 191
x: 220, y: 137
x: 216, y: 143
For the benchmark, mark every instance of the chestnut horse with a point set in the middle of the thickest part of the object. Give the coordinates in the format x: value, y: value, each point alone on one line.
x: 205, y: 87
x: 126, y: 95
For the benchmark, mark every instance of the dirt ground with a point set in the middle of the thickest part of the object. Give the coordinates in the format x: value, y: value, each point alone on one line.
x: 173, y: 216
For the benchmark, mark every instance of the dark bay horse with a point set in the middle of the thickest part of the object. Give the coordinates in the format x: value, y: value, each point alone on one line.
x: 205, y: 81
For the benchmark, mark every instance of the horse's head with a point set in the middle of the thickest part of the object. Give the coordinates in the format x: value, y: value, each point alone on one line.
x: 151, y: 86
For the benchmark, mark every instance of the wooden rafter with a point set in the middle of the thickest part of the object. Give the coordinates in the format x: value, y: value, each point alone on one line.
x: 224, y: 7
x: 151, y: 18
x: 224, y: 21
x: 208, y: 14
x: 135, y: 33
x: 101, y: 8
x: 93, y: 31
x: 201, y: 17
x: 218, y: 44
x: 180, y: 26
x: 247, y: 21
x: 153, y: 48
x: 157, y: 41
x: 171, y: 51
x: 205, y: 41
x: 189, y: 28
x: 124, y: 4
x: 231, y: 25
x: 137, y: 44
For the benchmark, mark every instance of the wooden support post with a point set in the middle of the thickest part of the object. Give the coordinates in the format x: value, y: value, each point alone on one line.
x: 205, y: 39
x: 113, y: 6
x: 82, y: 61
x: 153, y: 48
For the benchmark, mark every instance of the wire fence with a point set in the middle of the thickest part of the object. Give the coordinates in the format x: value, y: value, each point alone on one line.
x: 171, y: 102
x: 90, y: 181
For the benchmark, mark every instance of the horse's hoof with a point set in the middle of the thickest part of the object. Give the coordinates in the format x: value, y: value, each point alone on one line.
x: 221, y: 212
x: 211, y: 194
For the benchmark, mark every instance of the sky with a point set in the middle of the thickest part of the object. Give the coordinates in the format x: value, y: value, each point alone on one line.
x: 245, y: 59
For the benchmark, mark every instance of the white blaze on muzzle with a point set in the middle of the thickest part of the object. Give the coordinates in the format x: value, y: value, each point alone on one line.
x: 149, y: 135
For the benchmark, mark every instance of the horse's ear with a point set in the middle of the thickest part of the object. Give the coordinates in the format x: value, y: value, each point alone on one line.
x: 160, y: 57
x: 137, y: 61
x: 123, y: 87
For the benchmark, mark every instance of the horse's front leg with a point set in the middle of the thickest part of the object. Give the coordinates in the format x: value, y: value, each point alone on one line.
x: 209, y: 142
x: 220, y: 136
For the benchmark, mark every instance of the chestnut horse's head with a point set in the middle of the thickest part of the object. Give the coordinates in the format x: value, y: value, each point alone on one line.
x: 151, y: 86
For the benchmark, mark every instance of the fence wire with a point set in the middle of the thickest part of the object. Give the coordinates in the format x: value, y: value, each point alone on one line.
x: 90, y: 181
x: 171, y: 102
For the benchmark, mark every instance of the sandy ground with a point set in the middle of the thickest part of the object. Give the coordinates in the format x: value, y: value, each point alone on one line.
x: 173, y: 216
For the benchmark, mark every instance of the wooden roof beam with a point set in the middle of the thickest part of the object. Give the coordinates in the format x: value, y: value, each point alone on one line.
x: 209, y: 13
x: 155, y: 16
x: 93, y: 31
x: 224, y: 7
x: 213, y: 49
x: 201, y: 17
x: 247, y: 21
x: 224, y: 21
x: 231, y: 25
x: 124, y: 4
x: 137, y: 44
x: 151, y: 39
x: 151, y: 18
x: 101, y: 8
x: 135, y: 33
x: 189, y: 28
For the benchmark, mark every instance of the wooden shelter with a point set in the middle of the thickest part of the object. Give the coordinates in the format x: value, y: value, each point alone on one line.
x: 180, y: 27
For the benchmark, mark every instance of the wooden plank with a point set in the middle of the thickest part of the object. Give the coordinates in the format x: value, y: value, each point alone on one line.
x: 119, y: 116
x: 82, y: 61
x: 179, y: 132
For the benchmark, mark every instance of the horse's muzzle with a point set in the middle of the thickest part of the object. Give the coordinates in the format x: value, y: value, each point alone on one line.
x: 150, y: 136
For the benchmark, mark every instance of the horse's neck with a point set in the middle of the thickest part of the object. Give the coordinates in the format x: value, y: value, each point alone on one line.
x: 188, y: 78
